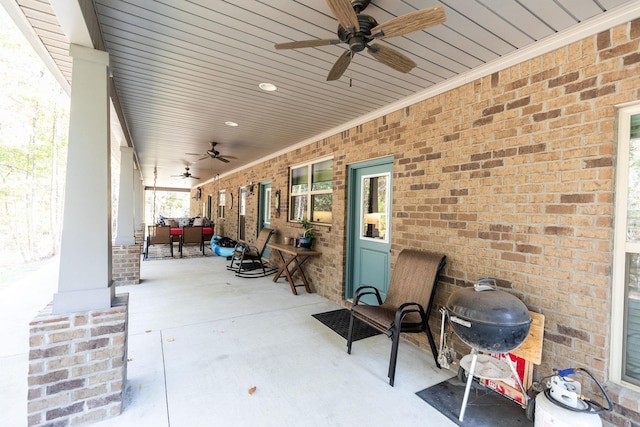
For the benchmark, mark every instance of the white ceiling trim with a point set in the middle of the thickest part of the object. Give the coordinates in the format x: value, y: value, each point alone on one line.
x: 556, y: 41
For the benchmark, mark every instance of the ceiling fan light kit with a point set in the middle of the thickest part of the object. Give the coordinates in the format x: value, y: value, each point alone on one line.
x: 212, y: 153
x: 359, y: 30
x: 185, y: 174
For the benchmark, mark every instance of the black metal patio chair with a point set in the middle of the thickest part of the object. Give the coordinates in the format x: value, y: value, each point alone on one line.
x: 408, y: 303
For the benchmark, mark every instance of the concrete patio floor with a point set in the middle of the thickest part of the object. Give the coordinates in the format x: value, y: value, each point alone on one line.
x: 201, y: 338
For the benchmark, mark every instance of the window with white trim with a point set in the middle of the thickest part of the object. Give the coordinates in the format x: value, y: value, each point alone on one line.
x: 625, y: 324
x: 222, y: 196
x: 311, y: 191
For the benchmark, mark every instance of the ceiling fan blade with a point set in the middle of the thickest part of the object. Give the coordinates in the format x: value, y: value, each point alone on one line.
x: 340, y: 66
x: 194, y: 177
x: 344, y: 13
x: 306, y: 43
x: 391, y: 57
x: 204, y: 156
x: 410, y: 22
x: 222, y: 159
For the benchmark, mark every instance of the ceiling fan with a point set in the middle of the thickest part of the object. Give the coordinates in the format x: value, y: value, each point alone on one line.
x: 185, y: 174
x: 213, y: 154
x: 358, y: 30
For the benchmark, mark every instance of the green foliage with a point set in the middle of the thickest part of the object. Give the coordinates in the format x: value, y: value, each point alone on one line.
x: 169, y: 204
x: 308, y: 229
x: 33, y: 141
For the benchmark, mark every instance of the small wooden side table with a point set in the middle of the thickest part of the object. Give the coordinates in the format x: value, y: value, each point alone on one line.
x: 296, y: 257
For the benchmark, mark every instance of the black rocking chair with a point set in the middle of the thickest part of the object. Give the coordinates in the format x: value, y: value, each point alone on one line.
x: 246, y: 260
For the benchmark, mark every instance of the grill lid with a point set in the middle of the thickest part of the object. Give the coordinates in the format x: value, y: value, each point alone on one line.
x: 486, y: 304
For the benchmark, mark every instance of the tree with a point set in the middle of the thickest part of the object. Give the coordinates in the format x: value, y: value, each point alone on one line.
x: 34, y: 113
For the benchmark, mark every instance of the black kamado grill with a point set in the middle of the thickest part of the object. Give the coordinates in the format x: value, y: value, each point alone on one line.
x: 488, y: 320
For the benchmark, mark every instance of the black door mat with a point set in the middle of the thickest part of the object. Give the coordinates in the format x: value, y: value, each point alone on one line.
x: 485, y: 407
x: 338, y: 321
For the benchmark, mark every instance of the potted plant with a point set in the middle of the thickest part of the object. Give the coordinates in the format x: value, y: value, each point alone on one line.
x: 306, y: 239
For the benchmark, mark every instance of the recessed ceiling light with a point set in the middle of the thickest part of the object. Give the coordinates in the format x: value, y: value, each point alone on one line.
x: 267, y: 87
x: 232, y: 124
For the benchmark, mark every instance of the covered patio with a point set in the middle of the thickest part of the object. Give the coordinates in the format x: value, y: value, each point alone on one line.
x: 201, y: 338
x: 509, y: 165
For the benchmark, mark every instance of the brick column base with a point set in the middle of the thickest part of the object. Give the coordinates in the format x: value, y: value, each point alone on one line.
x: 77, y: 365
x: 125, y: 265
x: 139, y: 236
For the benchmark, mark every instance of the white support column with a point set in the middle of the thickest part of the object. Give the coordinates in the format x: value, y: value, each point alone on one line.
x: 125, y: 222
x: 138, y: 202
x: 85, y: 251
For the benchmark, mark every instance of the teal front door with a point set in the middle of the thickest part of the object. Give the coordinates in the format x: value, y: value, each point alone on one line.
x: 369, y: 219
x: 265, y: 211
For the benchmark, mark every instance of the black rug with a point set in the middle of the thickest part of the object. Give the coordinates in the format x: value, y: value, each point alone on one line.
x: 338, y: 321
x: 485, y: 407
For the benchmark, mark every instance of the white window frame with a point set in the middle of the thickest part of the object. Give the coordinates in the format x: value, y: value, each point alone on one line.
x: 222, y: 197
x: 621, y: 247
x: 361, y: 225
x: 309, y: 192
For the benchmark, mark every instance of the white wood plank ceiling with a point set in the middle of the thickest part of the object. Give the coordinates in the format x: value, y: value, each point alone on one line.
x: 184, y: 68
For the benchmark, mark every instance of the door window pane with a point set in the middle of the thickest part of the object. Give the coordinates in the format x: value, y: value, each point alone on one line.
x: 375, y: 191
x: 267, y: 206
x: 243, y: 201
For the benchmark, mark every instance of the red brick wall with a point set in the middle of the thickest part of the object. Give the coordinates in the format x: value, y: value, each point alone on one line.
x: 510, y: 175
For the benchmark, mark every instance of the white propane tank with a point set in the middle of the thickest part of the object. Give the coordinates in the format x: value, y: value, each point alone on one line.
x: 548, y: 414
